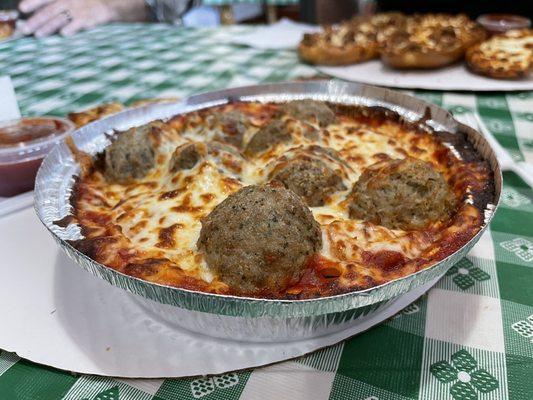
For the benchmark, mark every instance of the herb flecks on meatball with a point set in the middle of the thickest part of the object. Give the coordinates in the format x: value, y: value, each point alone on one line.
x: 309, y: 178
x: 401, y: 194
x: 268, y: 136
x: 233, y: 125
x: 259, y: 238
x: 310, y: 111
x: 187, y: 156
x: 130, y: 156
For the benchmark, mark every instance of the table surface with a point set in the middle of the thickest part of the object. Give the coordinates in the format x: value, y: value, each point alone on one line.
x: 470, y: 337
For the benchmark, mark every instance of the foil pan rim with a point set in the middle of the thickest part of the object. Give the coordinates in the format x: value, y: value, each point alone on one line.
x: 344, y: 93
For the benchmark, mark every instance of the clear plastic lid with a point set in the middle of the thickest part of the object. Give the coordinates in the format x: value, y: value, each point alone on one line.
x: 31, y: 138
x: 499, y: 23
x: 8, y: 15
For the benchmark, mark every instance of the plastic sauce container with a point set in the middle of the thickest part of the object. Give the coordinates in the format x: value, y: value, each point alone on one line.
x: 23, y: 145
x: 500, y: 23
x: 8, y: 20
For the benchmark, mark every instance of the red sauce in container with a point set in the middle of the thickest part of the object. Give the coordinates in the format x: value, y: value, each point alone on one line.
x: 499, y: 23
x: 23, y: 145
x: 8, y: 20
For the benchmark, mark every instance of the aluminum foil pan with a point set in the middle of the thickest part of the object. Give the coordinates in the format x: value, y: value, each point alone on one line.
x: 239, y: 317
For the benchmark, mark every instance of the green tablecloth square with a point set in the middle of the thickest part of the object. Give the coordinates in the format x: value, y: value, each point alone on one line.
x: 519, y: 373
x: 517, y: 321
x: 346, y: 388
x: 411, y: 319
x: 515, y: 283
x: 221, y: 387
x: 28, y: 381
x: 365, y: 356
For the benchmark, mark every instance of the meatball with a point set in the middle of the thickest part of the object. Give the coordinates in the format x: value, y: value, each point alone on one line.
x: 401, y: 194
x: 327, y: 152
x: 186, y: 156
x: 311, y: 179
x: 259, y: 238
x: 217, y: 148
x: 232, y: 125
x: 130, y: 156
x: 311, y: 111
x: 273, y: 133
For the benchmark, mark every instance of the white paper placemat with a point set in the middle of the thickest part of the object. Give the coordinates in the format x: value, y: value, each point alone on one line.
x: 284, y: 34
x: 12, y: 204
x: 9, y: 108
x: 55, y: 313
x: 454, y: 77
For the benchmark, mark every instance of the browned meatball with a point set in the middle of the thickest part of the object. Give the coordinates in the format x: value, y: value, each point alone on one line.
x: 130, y: 156
x: 186, y: 156
x: 273, y: 133
x: 232, y: 125
x: 401, y: 194
x: 309, y: 178
x: 310, y: 111
x: 217, y: 148
x: 259, y: 238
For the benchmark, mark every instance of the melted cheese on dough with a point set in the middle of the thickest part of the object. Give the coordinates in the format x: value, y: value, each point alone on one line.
x: 513, y: 48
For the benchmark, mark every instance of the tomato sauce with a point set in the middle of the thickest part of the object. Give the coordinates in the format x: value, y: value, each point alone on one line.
x: 23, y: 145
x: 28, y: 131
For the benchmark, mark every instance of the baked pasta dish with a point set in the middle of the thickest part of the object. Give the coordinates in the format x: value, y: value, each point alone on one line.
x: 292, y: 200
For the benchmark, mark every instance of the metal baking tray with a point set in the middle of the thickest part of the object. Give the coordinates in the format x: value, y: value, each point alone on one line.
x: 241, y: 318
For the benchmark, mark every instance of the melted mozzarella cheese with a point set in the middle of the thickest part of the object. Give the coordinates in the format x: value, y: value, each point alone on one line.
x: 161, y: 214
x: 509, y: 49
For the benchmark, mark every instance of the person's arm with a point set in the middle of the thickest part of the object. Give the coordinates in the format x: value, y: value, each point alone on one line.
x: 71, y: 16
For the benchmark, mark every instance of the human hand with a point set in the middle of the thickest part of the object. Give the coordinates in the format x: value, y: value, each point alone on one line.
x: 66, y: 16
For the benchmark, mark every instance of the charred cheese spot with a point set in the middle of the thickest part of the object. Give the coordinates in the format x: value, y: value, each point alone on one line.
x: 145, y: 268
x: 166, y: 236
x: 139, y: 226
x: 207, y: 197
x: 385, y: 259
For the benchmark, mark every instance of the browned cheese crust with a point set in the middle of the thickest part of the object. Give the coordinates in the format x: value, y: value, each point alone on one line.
x: 157, y: 100
x: 430, y: 41
x: 82, y: 118
x: 351, y: 42
x: 505, y: 56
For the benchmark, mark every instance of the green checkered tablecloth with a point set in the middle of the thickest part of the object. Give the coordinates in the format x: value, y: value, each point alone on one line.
x: 470, y: 337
